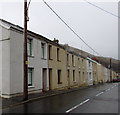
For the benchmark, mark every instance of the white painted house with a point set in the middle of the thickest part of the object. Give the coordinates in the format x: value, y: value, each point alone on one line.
x: 89, y: 71
x: 11, y: 61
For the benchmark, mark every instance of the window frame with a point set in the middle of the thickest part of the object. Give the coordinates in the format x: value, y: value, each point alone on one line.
x: 72, y: 60
x: 58, y: 54
x: 29, y: 47
x: 50, y: 52
x: 74, y: 77
x: 43, y: 50
x: 59, y: 72
x: 31, y: 77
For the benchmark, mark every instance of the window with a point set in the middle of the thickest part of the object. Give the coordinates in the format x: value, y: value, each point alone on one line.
x: 67, y: 59
x: 74, y: 75
x: 58, y: 54
x: 79, y: 74
x: 30, y: 75
x: 73, y: 60
x: 43, y: 50
x: 50, y: 52
x: 82, y: 61
x: 29, y: 47
x: 59, y: 77
x: 83, y: 74
x: 68, y: 73
x: 90, y: 77
x: 89, y: 63
x: 79, y: 62
x: 83, y: 77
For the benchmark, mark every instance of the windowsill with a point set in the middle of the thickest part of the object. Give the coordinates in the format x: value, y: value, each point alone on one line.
x: 31, y: 56
x: 31, y: 87
x: 43, y: 58
x: 74, y: 81
x: 50, y: 59
x: 68, y: 65
x: 58, y: 60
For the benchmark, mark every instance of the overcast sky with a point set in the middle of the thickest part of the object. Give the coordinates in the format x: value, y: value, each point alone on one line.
x: 96, y: 27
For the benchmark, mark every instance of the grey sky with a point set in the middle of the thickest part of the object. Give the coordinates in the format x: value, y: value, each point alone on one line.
x: 99, y: 29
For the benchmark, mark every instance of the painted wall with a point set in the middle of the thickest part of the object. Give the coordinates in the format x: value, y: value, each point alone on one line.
x: 99, y: 70
x: 73, y: 66
x: 35, y: 61
x: 56, y: 65
x: 83, y: 72
x: 16, y: 62
x: 89, y: 72
x: 5, y: 62
x: 105, y: 75
x: 38, y: 64
x: 113, y: 74
x: 11, y: 71
x: 95, y: 73
x: 0, y: 59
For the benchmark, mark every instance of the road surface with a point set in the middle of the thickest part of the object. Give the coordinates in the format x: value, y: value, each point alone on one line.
x: 94, y: 99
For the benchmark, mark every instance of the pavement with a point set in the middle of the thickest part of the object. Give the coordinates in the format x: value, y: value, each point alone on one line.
x: 6, y: 103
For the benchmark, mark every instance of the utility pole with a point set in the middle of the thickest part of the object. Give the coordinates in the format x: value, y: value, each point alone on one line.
x: 110, y: 71
x: 25, y: 53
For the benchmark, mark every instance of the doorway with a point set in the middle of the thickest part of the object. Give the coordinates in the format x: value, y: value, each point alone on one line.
x: 44, y: 74
x: 50, y: 79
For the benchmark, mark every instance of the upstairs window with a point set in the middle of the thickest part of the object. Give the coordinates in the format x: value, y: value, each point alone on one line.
x: 43, y: 48
x: 67, y: 59
x: 89, y: 63
x: 78, y: 62
x: 29, y: 47
x: 58, y: 54
x: 73, y: 60
x: 50, y: 52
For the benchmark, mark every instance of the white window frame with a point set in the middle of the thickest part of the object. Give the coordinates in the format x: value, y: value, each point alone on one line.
x: 43, y: 50
x: 30, y: 72
x: 29, y: 49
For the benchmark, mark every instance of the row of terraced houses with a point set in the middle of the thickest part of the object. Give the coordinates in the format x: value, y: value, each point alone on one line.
x: 51, y: 66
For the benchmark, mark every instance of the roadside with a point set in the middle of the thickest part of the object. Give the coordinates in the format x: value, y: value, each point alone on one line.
x: 5, y: 103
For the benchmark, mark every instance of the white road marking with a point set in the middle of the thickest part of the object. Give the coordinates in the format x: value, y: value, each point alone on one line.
x: 113, y: 87
x: 99, y: 93
x: 107, y: 89
x: 77, y: 105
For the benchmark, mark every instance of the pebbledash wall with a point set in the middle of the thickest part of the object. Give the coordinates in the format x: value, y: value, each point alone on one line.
x: 11, y: 61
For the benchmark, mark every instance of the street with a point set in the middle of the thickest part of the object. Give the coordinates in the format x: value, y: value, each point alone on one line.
x: 94, y: 99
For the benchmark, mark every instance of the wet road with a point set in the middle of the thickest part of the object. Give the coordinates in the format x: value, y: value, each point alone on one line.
x: 95, y: 99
